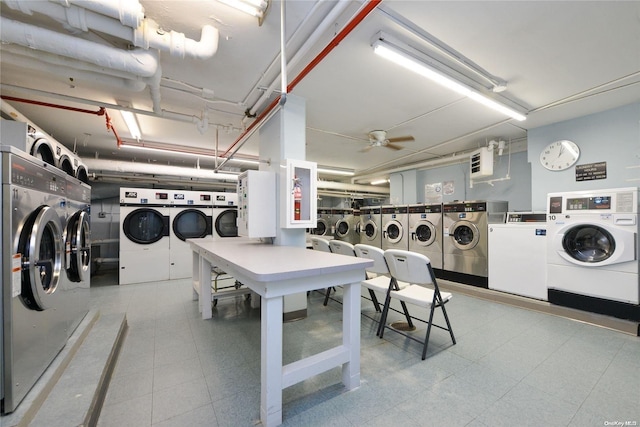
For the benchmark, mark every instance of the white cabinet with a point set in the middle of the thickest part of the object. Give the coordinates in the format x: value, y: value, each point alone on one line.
x: 299, y: 183
x: 257, y: 204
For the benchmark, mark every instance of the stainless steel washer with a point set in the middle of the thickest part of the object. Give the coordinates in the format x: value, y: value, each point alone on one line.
x: 465, y: 232
x: 77, y: 240
x: 323, y: 224
x: 347, y: 226
x: 34, y: 322
x: 395, y: 227
x: 370, y: 228
x: 425, y: 232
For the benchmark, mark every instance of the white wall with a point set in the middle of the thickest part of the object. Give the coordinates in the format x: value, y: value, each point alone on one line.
x: 612, y: 136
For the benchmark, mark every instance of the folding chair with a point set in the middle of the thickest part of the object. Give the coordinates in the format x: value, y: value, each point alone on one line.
x: 415, y: 269
x: 378, y: 279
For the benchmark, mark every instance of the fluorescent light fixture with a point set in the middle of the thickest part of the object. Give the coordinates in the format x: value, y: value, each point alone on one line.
x: 401, y: 57
x: 341, y: 172
x: 132, y: 124
x: 379, y: 181
x: 252, y: 7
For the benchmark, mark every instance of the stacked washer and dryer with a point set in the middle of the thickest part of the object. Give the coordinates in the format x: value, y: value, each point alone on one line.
x: 45, y: 268
x: 592, y: 254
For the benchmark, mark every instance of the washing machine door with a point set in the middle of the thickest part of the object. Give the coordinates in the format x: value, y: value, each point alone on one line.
x: 464, y: 235
x: 370, y: 230
x: 78, y: 247
x: 145, y: 226
x: 321, y: 228
x: 393, y: 231
x: 65, y: 164
x: 342, y: 228
x: 226, y: 223
x: 43, y: 150
x: 191, y: 224
x: 42, y: 248
x: 593, y: 245
x: 424, y: 233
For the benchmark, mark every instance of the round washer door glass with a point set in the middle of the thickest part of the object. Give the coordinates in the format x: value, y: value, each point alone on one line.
x: 425, y: 234
x: 393, y: 232
x: 321, y: 228
x: 78, y: 243
x: 41, y: 246
x: 342, y: 228
x: 370, y: 230
x: 465, y: 235
x: 589, y: 243
x: 226, y: 224
x: 191, y: 224
x: 145, y: 226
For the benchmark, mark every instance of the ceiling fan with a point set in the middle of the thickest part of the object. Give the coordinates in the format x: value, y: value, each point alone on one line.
x: 378, y: 138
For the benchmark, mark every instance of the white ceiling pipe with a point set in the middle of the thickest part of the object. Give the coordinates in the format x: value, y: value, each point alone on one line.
x: 331, y: 185
x: 95, y: 165
x: 327, y: 22
x: 129, y: 13
x: 75, y: 74
x: 146, y: 35
x: 138, y: 62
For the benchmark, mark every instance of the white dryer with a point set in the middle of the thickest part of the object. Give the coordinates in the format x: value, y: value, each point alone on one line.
x: 395, y: 227
x: 370, y: 226
x: 144, y: 235
x: 225, y: 215
x: 425, y: 232
x: 592, y: 252
x: 191, y: 218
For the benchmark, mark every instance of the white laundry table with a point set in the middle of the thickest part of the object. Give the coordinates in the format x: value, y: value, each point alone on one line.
x: 273, y: 272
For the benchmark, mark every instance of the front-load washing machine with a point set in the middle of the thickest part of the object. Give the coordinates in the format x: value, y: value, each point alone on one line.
x: 190, y: 218
x: 592, y: 252
x: 370, y: 228
x: 347, y: 226
x: 323, y: 223
x: 144, y: 235
x: 34, y: 324
x: 465, y: 247
x: 77, y: 241
x: 395, y: 227
x: 225, y: 215
x: 425, y: 232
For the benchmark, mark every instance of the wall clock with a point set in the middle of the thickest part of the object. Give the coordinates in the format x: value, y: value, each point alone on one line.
x: 560, y: 155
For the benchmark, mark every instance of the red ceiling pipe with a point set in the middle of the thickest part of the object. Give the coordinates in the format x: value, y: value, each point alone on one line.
x: 101, y: 112
x: 363, y: 13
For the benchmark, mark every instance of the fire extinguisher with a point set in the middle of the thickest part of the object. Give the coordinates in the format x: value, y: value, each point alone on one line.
x: 297, y: 199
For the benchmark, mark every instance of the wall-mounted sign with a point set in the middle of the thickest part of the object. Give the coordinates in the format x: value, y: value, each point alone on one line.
x: 591, y: 171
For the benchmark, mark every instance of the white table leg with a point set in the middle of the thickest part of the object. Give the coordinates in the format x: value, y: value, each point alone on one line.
x: 271, y: 362
x: 195, y: 272
x: 205, y: 288
x: 351, y: 334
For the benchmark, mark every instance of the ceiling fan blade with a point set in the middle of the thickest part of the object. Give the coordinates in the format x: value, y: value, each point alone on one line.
x: 393, y: 146
x: 367, y: 148
x: 401, y: 139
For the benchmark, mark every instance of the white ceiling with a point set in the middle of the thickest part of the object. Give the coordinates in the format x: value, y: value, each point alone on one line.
x: 561, y: 59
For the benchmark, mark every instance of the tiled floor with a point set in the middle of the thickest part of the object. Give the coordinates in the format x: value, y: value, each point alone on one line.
x: 511, y: 366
